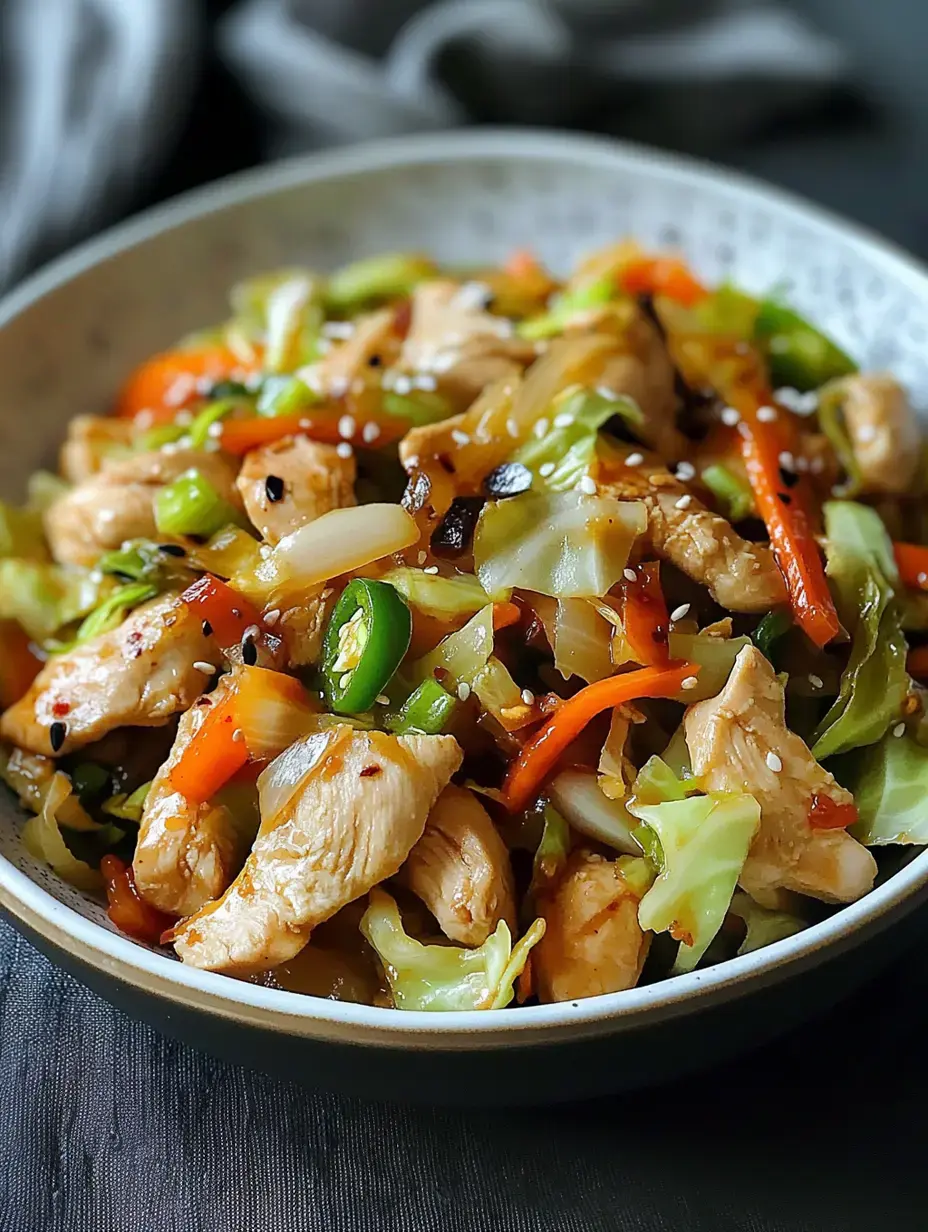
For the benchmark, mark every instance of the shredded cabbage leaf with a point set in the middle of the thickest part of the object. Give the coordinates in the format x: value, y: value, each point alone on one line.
x: 715, y: 657
x: 445, y: 977
x: 764, y: 926
x: 863, y: 574
x: 42, y: 838
x: 565, y: 544
x: 889, y: 782
x: 44, y: 598
x: 443, y: 597
x: 562, y: 456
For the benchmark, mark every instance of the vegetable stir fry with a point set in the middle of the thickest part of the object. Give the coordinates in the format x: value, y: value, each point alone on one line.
x: 440, y: 639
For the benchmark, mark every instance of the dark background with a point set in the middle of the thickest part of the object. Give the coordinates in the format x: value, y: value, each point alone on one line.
x: 107, y: 1126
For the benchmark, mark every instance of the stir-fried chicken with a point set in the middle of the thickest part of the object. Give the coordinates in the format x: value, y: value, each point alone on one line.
x: 739, y: 741
x: 593, y: 943
x: 138, y: 675
x: 883, y: 430
x: 372, y: 341
x: 118, y: 503
x: 359, y: 809
x: 292, y: 482
x: 460, y: 869
x: 92, y: 441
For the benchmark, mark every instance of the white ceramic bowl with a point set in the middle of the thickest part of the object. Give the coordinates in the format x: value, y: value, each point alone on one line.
x: 70, y: 334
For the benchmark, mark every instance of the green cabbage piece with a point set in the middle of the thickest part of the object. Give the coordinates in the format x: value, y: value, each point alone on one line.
x: 715, y: 657
x: 44, y: 597
x: 563, y: 544
x: 551, y: 853
x: 445, y: 977
x: 763, y: 925
x: 386, y: 276
x: 889, y: 782
x: 284, y: 308
x: 559, y: 459
x: 704, y: 842
x: 863, y: 576
x: 567, y: 304
x: 443, y: 597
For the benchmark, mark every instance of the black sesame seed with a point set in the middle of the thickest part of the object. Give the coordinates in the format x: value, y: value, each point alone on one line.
x: 374, y: 361
x: 57, y: 734
x: 172, y: 549
x: 274, y: 487
x: 785, y: 498
x: 207, y: 629
x: 789, y: 479
x: 249, y: 652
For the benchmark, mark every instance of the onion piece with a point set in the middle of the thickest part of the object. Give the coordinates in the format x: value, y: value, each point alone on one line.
x: 338, y: 542
x: 576, y: 794
x: 42, y: 839
x: 285, y: 776
x: 272, y: 711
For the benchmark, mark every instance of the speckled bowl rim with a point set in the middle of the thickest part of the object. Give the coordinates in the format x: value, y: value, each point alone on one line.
x: 294, y: 1013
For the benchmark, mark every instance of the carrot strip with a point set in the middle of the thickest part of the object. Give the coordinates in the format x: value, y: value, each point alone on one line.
x: 538, y: 757
x: 644, y: 616
x: 240, y: 436
x: 126, y: 908
x: 212, y: 756
x: 18, y: 665
x: 227, y: 613
x: 662, y: 276
x: 168, y: 382
x: 506, y: 614
x: 912, y: 562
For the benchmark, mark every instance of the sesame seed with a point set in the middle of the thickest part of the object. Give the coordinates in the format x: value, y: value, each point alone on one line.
x: 688, y: 682
x: 679, y: 612
x: 323, y: 345
x: 459, y: 437
x: 184, y: 419
x: 816, y: 681
x: 274, y: 488
x: 730, y: 416
x: 305, y: 424
x: 382, y: 700
x: 922, y: 578
x: 787, y: 461
x: 630, y: 575
x: 57, y: 734
x: 802, y: 464
x: 338, y: 329
x: 546, y: 469
x: 402, y: 384
x: 512, y: 427
x: 207, y: 629
x: 587, y: 485
x: 271, y: 618
x: 685, y: 471
x: 170, y: 620
x: 744, y: 430
x: 343, y: 449
x: 817, y: 465
x: 684, y: 502
x: 214, y: 430
x: 432, y: 569
x: 444, y: 361
x: 528, y: 697
x: 347, y: 427
x: 206, y: 668
x: 634, y: 459
x: 541, y: 428
x: 563, y: 420
x: 370, y: 432
x: 866, y: 432
x: 766, y: 414
x: 425, y: 381
x: 422, y: 557
x: 605, y: 392
x: 899, y: 729
x: 463, y: 690
x: 773, y: 762
x: 238, y: 735
x: 798, y: 403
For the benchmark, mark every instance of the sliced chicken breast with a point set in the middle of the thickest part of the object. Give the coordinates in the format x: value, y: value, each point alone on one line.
x: 92, y: 441
x: 292, y: 482
x: 884, y: 431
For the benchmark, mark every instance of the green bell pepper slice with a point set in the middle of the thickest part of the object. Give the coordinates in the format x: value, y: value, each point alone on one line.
x: 799, y: 355
x: 368, y: 634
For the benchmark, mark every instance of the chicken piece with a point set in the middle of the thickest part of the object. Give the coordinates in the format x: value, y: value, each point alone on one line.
x: 292, y: 482
x: 739, y: 741
x: 303, y: 627
x: 374, y: 335
x: 460, y: 869
x: 92, y: 441
x: 186, y: 854
x: 359, y: 810
x: 740, y: 575
x: 137, y: 675
x: 466, y: 348
x: 118, y: 503
x: 883, y: 431
x: 593, y: 943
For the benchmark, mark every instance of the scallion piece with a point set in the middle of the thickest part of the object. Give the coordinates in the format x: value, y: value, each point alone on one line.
x: 285, y: 395
x: 731, y: 491
x: 112, y: 611
x: 190, y: 505
x: 426, y: 711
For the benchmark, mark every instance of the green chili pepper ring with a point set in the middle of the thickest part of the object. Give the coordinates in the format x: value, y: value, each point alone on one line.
x: 368, y: 635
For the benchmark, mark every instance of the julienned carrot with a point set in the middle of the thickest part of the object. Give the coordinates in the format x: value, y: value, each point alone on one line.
x: 329, y: 425
x: 168, y: 382
x: 212, y: 757
x: 645, y: 621
x: 537, y: 758
x: 912, y: 562
x: 662, y: 276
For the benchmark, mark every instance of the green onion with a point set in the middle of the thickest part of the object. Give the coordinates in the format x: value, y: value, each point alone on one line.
x: 192, y: 506
x: 89, y: 780
x: 113, y: 611
x: 128, y: 807
x: 420, y: 409
x: 799, y: 355
x: 562, y: 307
x: 155, y: 438
x: 731, y: 491
x: 215, y: 412
x: 773, y: 626
x: 384, y: 277
x: 285, y: 395
x: 427, y: 711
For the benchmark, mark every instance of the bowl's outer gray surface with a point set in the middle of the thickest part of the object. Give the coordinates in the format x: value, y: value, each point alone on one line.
x: 68, y: 337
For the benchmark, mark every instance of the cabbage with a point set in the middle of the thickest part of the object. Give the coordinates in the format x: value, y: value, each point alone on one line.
x: 44, y: 598
x: 283, y: 307
x: 889, y: 782
x: 715, y: 656
x: 445, y: 977
x: 567, y: 304
x: 863, y: 574
x: 567, y: 544
x: 128, y: 806
x: 458, y: 658
x: 704, y: 842
x: 763, y: 925
x: 442, y: 597
x: 500, y: 696
x: 22, y: 533
x: 562, y: 456
x: 385, y: 276
x: 108, y: 615
x: 582, y: 640
x: 550, y: 854
x: 42, y: 838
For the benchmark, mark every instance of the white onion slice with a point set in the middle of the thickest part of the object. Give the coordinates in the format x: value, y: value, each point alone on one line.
x: 283, y: 778
x: 576, y: 794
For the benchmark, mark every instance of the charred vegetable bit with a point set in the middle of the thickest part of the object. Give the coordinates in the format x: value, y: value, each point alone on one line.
x: 368, y: 635
x: 456, y: 531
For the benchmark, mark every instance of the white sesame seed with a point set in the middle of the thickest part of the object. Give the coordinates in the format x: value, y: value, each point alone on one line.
x: 214, y: 430
x: 541, y: 428
x: 347, y: 427
x: 773, y: 762
x: 546, y: 469
x: 605, y: 392
x: 587, y: 485
x: 684, y: 502
x: 472, y: 296
x: 206, y: 668
x: 425, y: 381
x: 528, y: 697
x: 305, y: 424
x: 922, y: 578
x: 512, y: 427
x: 787, y: 461
x: 802, y: 464
x: 183, y: 419
x: 630, y: 575
x: 866, y: 432
x: 422, y: 557
x: 817, y: 465
x: 338, y: 329
x: 144, y: 419
x: 899, y: 729
x: 370, y: 432
x: 793, y: 400
x: 382, y: 700
x: 744, y: 430
x: 766, y: 414
x: 816, y: 681
x: 730, y: 416
x: 689, y: 682
x: 358, y: 386
x: 338, y: 385
x: 251, y: 633
x: 686, y: 471
x: 402, y: 384
x: 679, y: 612
x: 343, y: 449
x: 271, y: 618
x: 463, y: 690
x: 431, y: 569
x: 444, y: 361
x: 238, y: 735
x: 563, y: 420
x: 459, y: 437
x: 634, y: 459
x: 323, y: 345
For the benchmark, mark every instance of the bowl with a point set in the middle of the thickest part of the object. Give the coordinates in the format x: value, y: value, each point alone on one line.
x: 70, y: 334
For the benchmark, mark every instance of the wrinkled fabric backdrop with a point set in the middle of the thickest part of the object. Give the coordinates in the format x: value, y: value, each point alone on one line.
x: 108, y: 105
